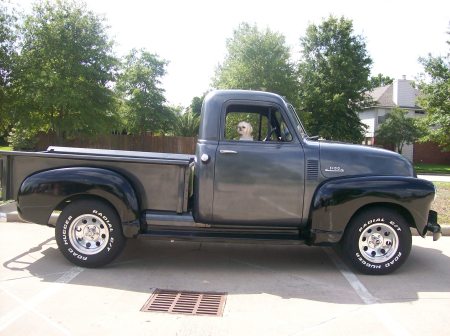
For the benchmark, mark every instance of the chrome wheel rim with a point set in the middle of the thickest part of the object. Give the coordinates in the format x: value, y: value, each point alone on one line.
x: 88, y: 234
x: 378, y: 243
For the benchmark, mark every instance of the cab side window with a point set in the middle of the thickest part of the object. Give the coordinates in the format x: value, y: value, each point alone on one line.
x: 255, y: 123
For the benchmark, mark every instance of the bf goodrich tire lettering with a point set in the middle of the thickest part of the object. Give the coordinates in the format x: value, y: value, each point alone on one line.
x: 377, y: 241
x: 89, y: 234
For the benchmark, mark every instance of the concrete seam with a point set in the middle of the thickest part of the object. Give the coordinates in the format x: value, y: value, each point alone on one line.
x: 14, y: 315
x: 373, y: 303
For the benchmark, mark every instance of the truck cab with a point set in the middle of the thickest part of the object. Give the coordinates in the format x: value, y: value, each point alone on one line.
x: 257, y: 181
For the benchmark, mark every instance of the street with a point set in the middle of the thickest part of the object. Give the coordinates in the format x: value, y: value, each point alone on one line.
x: 272, y: 290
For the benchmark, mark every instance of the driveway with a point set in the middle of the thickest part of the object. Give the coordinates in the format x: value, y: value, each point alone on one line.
x: 272, y: 290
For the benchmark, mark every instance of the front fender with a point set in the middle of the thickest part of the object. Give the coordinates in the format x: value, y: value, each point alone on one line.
x: 41, y: 193
x: 336, y: 201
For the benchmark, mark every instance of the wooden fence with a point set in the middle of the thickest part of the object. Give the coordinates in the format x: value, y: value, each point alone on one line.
x: 146, y: 143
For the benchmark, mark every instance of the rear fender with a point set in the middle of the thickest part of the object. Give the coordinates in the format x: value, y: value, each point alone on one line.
x: 336, y: 201
x: 42, y: 193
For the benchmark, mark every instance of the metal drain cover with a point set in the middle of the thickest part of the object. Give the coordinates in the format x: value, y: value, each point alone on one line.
x: 185, y: 302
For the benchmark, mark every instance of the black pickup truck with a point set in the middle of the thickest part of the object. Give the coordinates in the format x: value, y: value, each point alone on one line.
x: 256, y: 177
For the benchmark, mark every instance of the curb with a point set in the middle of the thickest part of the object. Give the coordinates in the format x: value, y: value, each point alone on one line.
x: 8, y: 207
x: 9, y: 214
x: 13, y: 217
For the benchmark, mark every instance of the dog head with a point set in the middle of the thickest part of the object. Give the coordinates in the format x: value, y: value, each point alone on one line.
x: 245, y: 130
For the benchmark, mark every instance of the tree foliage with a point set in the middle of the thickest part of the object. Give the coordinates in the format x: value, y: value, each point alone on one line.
x: 435, y: 98
x: 380, y: 80
x: 334, y: 72
x: 8, y: 36
x: 196, y: 104
x: 257, y: 60
x: 143, y: 99
x: 186, y: 124
x: 398, y: 129
x: 63, y: 72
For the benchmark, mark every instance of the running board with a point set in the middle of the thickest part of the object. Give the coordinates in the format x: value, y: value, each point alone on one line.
x: 171, y: 219
x: 218, y: 236
x: 163, y: 225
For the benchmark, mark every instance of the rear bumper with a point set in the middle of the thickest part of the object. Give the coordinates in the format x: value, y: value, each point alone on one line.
x: 433, y: 226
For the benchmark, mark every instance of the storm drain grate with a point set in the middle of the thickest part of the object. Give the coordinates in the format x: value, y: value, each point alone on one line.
x: 184, y: 302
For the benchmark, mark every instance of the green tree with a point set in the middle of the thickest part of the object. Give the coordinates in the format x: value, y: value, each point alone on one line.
x: 435, y: 98
x: 196, y: 105
x: 380, y: 80
x: 398, y: 130
x: 334, y: 71
x: 8, y: 38
x: 257, y: 60
x: 143, y: 99
x: 62, y: 76
x: 186, y: 124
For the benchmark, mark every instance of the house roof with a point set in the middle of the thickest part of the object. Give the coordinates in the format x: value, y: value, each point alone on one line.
x: 383, y: 96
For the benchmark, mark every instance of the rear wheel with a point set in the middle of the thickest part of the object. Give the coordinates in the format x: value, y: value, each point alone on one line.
x: 89, y: 233
x: 377, y: 241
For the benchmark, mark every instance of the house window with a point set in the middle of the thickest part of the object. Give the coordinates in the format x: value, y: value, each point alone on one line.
x: 382, y: 119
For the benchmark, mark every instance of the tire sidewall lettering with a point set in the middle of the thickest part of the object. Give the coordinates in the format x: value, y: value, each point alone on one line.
x: 365, y: 262
x: 104, y: 218
x: 380, y: 220
x: 393, y: 260
x: 77, y: 255
x: 368, y: 264
x: 64, y: 230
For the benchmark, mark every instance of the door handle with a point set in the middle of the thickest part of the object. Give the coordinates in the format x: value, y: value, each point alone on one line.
x: 227, y: 151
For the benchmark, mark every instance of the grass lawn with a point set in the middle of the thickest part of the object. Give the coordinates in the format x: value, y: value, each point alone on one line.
x: 431, y: 169
x: 5, y: 148
x: 442, y: 202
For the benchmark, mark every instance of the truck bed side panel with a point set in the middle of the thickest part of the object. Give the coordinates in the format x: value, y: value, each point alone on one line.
x: 157, y: 182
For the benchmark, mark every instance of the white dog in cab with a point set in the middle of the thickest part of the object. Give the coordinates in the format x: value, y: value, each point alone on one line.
x: 245, y: 130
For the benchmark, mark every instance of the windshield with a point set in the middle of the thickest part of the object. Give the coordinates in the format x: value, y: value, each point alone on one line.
x: 298, y: 123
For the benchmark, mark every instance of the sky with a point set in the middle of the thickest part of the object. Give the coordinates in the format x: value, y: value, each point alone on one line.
x: 192, y: 34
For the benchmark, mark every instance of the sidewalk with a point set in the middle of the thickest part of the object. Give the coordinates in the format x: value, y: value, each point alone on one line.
x: 435, y: 178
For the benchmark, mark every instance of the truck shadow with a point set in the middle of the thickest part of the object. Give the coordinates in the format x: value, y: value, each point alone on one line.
x: 284, y: 271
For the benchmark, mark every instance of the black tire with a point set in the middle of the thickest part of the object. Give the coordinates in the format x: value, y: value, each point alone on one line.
x: 377, y: 241
x: 89, y: 233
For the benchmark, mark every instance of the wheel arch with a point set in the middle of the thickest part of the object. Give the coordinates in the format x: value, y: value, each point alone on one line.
x: 337, y: 201
x: 43, y: 192
x: 402, y: 211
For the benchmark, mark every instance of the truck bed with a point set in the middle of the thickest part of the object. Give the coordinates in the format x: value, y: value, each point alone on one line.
x: 164, y: 175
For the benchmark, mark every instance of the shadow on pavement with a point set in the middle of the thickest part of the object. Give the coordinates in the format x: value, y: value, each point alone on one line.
x: 284, y: 271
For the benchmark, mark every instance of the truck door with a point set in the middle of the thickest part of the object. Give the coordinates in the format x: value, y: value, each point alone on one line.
x: 259, y: 167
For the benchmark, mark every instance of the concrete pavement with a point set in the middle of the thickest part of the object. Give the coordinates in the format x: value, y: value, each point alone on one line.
x: 272, y: 290
x: 435, y: 178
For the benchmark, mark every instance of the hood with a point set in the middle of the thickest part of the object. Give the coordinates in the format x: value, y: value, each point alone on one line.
x: 340, y: 159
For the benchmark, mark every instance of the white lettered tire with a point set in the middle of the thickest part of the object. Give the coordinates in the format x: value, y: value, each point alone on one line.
x: 89, y: 233
x: 377, y: 241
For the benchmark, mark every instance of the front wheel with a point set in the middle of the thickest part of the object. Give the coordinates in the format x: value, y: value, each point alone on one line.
x: 89, y: 233
x: 377, y: 241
